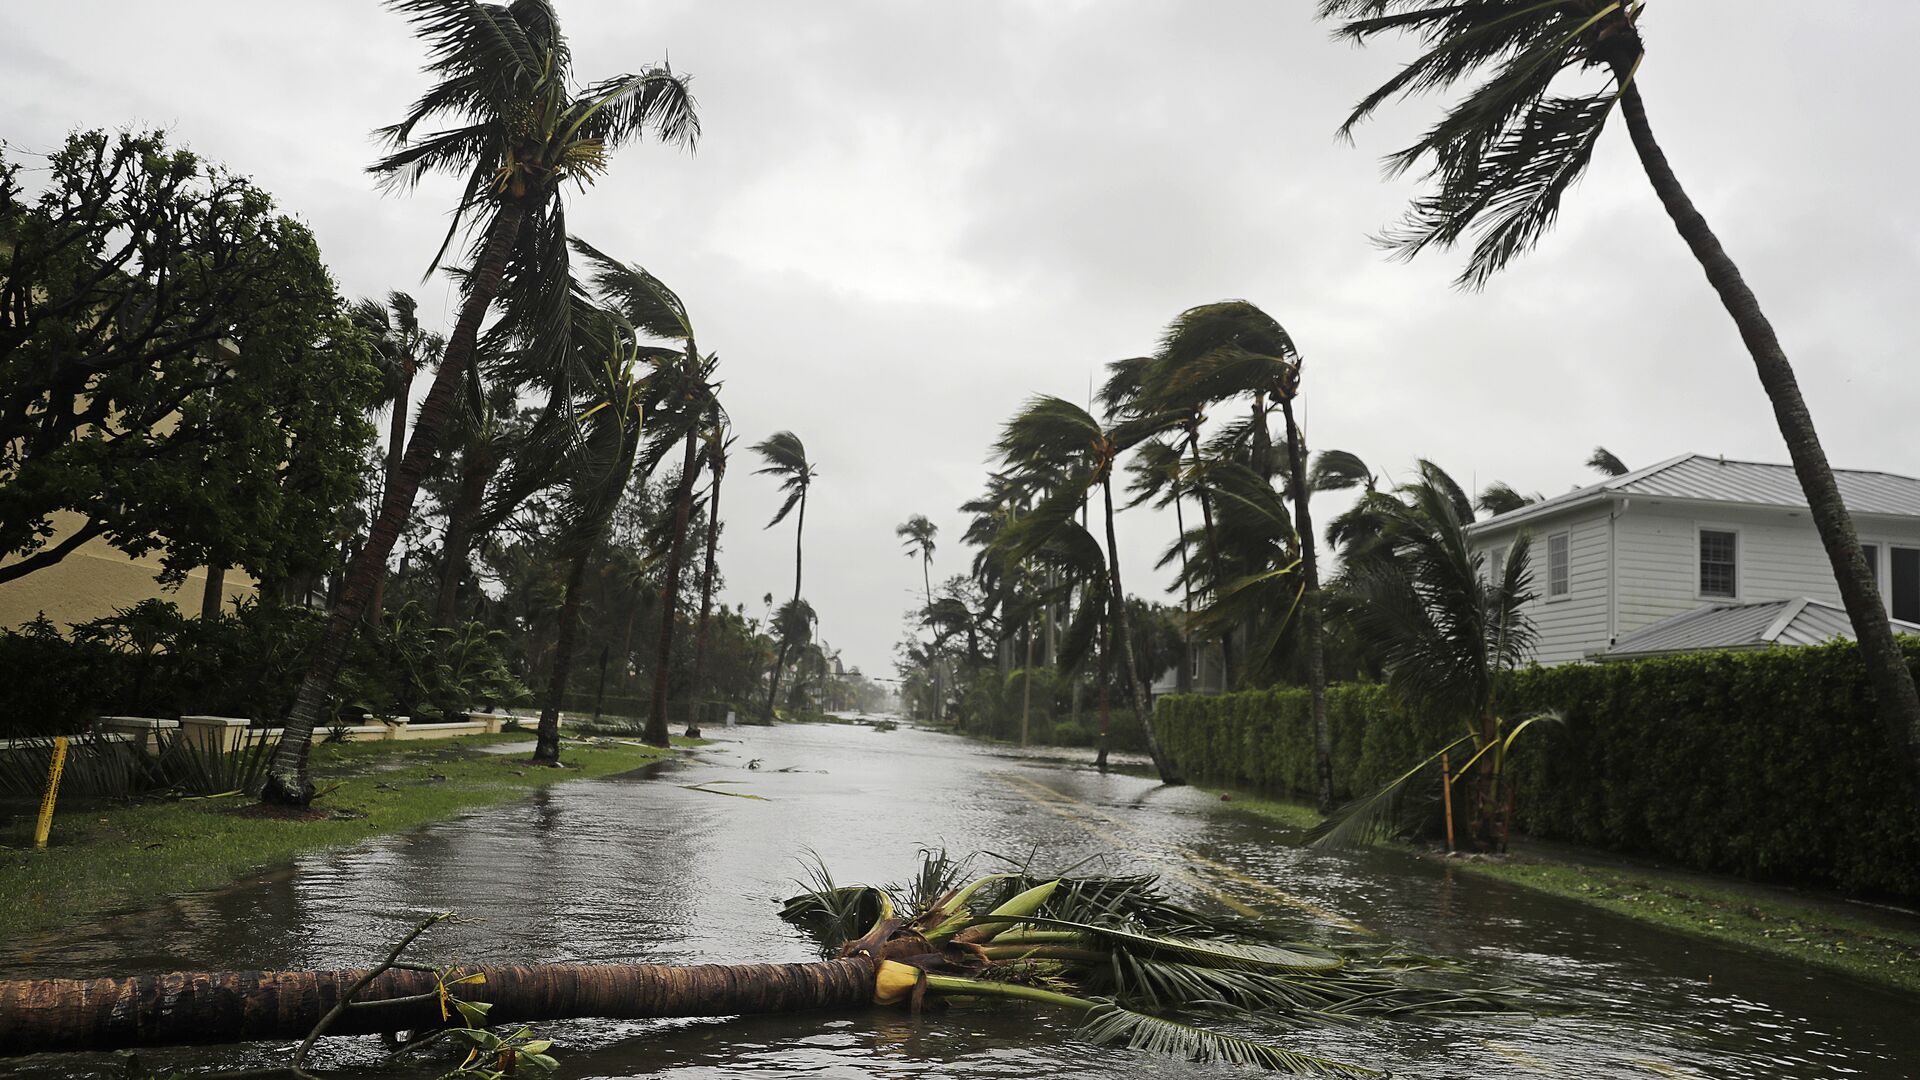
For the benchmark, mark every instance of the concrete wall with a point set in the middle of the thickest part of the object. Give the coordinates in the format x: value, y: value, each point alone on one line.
x: 95, y: 580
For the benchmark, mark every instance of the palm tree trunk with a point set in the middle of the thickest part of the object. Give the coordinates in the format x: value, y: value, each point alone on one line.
x: 1213, y: 548
x: 287, y: 777
x: 670, y: 593
x: 780, y: 662
x: 546, y: 749
x: 396, y: 448
x: 1185, y: 676
x: 1887, y: 671
x: 706, y: 606
x: 773, y: 684
x: 1310, y: 608
x: 1106, y: 712
x: 1135, y: 688
x: 1026, y: 689
x: 477, y: 468
x: 202, y: 1008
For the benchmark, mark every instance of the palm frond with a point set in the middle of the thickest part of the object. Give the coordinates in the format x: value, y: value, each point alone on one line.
x: 1111, y: 1024
x: 1339, y: 470
x: 1372, y: 815
x: 1603, y: 462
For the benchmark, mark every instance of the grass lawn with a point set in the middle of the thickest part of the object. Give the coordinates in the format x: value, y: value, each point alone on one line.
x: 106, y: 856
x: 1730, y: 911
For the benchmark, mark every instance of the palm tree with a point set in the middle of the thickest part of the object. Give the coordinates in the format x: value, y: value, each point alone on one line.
x: 1449, y: 637
x: 1603, y: 462
x: 682, y: 394
x: 402, y: 348
x: 487, y: 433
x: 1505, y: 154
x: 1174, y: 401
x: 521, y: 129
x: 716, y: 442
x: 1050, y: 438
x: 786, y: 457
x: 1499, y: 497
x: 917, y: 535
x: 1232, y: 349
x: 598, y: 460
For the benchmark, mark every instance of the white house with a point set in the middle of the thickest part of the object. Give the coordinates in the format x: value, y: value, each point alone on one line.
x: 1700, y: 552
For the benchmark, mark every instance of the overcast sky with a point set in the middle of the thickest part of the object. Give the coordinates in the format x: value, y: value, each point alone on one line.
x: 905, y: 217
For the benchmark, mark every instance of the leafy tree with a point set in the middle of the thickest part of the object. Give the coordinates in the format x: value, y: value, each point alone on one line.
x: 175, y: 367
x: 786, y: 457
x: 522, y: 129
x: 1504, y: 155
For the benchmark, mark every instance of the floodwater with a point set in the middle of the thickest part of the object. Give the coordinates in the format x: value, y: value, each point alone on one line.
x: 672, y: 865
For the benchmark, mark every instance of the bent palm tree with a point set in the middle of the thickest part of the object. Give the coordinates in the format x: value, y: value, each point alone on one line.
x: 1503, y: 157
x: 1232, y: 349
x: 682, y: 394
x: 1135, y: 968
x: 1055, y: 439
x: 1603, y: 462
x: 917, y: 534
x: 402, y: 348
x: 786, y: 457
x: 521, y: 130
x: 717, y: 442
x: 597, y: 461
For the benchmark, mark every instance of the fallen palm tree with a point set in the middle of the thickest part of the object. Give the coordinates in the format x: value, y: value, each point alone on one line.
x: 1114, y: 952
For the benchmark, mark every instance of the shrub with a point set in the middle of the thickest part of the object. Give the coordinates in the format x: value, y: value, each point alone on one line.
x: 1769, y: 764
x: 152, y: 660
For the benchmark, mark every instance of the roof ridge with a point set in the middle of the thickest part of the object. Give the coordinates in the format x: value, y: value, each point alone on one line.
x: 1724, y: 460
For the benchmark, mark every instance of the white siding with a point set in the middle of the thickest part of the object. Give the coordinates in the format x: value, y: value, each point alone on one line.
x: 1571, y: 626
x: 1779, y: 557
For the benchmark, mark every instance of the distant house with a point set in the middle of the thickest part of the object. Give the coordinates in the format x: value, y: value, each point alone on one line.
x: 1700, y: 552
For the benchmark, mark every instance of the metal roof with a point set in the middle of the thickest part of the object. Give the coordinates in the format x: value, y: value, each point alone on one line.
x: 1799, y: 621
x: 1713, y: 479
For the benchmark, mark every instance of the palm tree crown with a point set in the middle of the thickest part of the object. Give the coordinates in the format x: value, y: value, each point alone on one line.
x: 786, y: 457
x: 1502, y: 157
x: 521, y: 127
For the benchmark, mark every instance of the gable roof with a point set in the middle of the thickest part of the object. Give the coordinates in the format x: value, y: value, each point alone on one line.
x: 1714, y: 479
x: 1799, y: 621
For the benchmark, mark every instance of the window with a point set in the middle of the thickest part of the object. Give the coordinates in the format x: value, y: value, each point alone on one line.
x: 1557, y: 565
x: 1717, y: 575
x: 1872, y: 552
x: 1497, y: 565
x: 1906, y: 584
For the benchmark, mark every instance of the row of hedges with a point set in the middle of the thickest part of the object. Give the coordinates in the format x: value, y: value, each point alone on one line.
x: 1771, y: 765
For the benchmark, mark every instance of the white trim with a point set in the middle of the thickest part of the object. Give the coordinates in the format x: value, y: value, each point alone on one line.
x: 1566, y: 537
x: 1739, y: 548
x: 1785, y: 619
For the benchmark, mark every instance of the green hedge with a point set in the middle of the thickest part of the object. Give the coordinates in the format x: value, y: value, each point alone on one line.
x: 1770, y: 765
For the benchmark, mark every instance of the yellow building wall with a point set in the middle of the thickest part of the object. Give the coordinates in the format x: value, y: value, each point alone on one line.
x: 96, y: 579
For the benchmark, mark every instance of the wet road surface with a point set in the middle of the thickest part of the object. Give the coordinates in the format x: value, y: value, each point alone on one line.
x: 673, y: 865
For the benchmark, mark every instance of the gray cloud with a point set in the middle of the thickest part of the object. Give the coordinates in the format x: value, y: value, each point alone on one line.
x: 906, y: 217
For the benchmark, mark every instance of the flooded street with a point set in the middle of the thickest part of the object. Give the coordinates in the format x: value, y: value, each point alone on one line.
x: 680, y: 864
